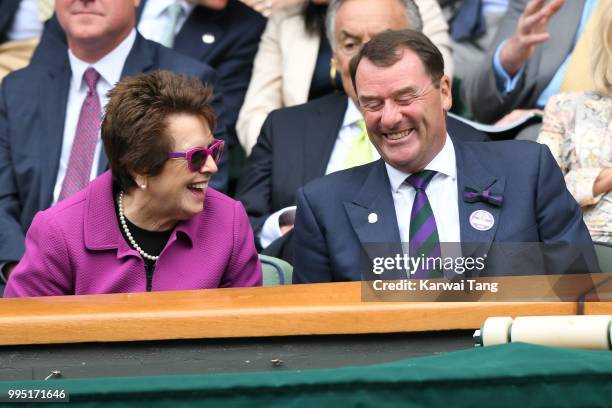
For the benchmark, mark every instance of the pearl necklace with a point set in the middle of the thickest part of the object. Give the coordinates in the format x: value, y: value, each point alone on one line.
x: 129, y: 234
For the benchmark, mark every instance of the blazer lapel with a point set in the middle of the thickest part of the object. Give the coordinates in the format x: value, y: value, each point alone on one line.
x: 470, y: 173
x: 321, y: 134
x: 141, y: 57
x: 200, y: 33
x: 52, y: 109
x: 372, y: 214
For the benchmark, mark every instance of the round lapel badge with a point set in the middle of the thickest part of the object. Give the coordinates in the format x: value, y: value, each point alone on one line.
x: 482, y: 220
x: 208, y: 38
x: 372, y: 218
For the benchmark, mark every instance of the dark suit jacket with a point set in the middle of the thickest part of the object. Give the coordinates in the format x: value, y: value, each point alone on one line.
x: 332, y: 223
x: 479, y: 87
x: 8, y: 8
x: 236, y: 30
x: 294, y: 148
x: 32, y: 112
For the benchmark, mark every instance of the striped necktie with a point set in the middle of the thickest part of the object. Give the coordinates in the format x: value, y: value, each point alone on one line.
x: 424, y: 241
x: 85, y: 139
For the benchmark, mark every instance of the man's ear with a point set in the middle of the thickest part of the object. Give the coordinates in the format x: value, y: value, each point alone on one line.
x: 446, y: 94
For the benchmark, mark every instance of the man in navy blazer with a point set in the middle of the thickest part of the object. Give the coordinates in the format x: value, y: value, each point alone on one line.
x: 225, y: 35
x: 33, y: 107
x: 480, y: 193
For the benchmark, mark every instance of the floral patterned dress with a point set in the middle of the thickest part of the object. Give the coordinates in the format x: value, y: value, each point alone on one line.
x: 577, y: 128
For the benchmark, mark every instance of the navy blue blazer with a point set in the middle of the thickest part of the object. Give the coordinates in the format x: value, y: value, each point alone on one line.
x: 235, y: 32
x: 32, y: 111
x: 332, y: 223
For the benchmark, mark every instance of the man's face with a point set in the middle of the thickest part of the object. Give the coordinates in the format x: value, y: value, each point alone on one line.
x: 404, y: 112
x: 356, y: 22
x: 96, y: 21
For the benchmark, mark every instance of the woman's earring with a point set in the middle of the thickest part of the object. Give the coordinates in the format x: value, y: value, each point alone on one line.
x: 143, y: 186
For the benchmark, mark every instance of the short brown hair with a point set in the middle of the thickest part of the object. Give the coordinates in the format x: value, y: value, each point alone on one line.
x: 135, y: 121
x: 385, y: 49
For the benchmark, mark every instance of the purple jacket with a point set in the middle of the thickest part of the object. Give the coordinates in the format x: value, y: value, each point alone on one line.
x: 76, y: 247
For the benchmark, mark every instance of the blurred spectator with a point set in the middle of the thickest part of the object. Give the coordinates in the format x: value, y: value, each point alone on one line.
x: 577, y: 130
x: 50, y: 111
x: 293, y: 62
x: 528, y: 59
x: 222, y: 33
x: 472, y: 29
x: 21, y: 24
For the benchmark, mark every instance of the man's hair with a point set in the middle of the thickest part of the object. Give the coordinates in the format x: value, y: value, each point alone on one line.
x: 413, y: 17
x: 134, y: 128
x: 387, y: 48
x: 602, y: 53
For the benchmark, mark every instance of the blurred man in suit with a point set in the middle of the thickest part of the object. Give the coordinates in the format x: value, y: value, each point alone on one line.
x: 428, y: 189
x: 301, y: 143
x: 50, y: 111
x: 528, y: 59
x: 222, y: 33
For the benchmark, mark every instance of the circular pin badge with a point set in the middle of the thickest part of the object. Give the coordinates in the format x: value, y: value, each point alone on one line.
x: 208, y: 38
x: 372, y: 218
x: 482, y: 220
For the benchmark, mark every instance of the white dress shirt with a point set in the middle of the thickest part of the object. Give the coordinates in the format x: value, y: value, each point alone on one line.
x: 154, y: 18
x: 441, y: 193
x: 109, y: 68
x: 349, y: 131
x: 25, y: 25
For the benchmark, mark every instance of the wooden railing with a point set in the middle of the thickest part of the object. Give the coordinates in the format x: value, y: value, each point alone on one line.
x: 317, y: 309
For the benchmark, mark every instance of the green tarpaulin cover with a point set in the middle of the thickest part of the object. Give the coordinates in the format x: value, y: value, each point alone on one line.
x: 502, y: 376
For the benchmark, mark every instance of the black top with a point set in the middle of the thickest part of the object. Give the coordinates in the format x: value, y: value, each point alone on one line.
x: 322, y: 83
x: 152, y: 242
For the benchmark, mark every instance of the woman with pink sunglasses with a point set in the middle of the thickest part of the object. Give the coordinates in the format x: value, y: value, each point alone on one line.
x: 151, y: 222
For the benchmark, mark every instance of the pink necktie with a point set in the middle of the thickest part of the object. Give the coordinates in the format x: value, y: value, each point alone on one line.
x: 84, y: 145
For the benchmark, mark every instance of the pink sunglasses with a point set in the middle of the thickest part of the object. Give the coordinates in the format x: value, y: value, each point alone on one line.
x: 197, y: 157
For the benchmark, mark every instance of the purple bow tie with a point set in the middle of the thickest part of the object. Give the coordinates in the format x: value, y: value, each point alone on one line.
x: 471, y: 195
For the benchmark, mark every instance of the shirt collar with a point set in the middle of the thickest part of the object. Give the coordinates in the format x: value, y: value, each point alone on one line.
x: 156, y: 8
x: 109, y: 67
x: 352, y: 114
x: 444, y: 162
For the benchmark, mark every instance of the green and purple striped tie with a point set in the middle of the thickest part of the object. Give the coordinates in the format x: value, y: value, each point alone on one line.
x: 424, y: 239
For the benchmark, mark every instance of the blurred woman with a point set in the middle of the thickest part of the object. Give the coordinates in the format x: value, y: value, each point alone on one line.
x: 151, y: 222
x: 294, y: 62
x: 577, y: 128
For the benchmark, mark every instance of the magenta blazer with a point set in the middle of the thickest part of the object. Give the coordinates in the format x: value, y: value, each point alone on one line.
x: 76, y: 247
